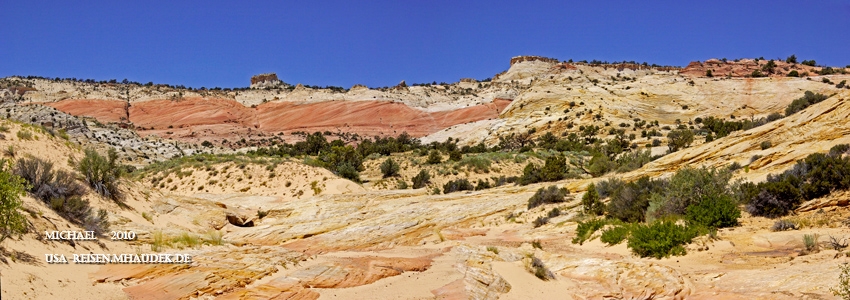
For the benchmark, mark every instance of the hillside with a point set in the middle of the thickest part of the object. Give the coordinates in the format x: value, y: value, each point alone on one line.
x: 510, y: 188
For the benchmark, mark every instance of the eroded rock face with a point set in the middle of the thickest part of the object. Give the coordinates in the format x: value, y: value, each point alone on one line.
x: 265, y: 80
x: 213, y: 272
x: 745, y: 68
x: 337, y: 273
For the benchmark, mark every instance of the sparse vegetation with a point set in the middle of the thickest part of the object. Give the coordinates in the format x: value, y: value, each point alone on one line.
x: 808, y: 99
x: 551, y: 194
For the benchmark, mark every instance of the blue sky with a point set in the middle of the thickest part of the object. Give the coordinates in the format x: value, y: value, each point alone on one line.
x: 379, y: 43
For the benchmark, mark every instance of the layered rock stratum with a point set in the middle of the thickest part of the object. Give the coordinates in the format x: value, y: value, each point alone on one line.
x: 284, y: 228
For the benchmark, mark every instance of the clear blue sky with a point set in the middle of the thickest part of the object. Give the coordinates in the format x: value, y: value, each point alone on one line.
x: 378, y: 43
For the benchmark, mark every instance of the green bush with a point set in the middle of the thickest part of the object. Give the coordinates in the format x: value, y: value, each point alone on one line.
x: 631, y: 161
x: 553, y: 169
x: 679, y: 139
x: 590, y: 201
x: 660, y: 239
x: 615, y: 235
x: 457, y: 185
x: 12, y: 187
x: 434, y: 157
x: 765, y: 145
x: 530, y: 174
x: 455, y: 155
x: 551, y: 194
x: 809, y: 98
x: 686, y: 187
x: 600, y: 164
x: 629, y: 201
x: 349, y: 172
x: 586, y: 229
x: 390, y: 168
x: 102, y: 173
x: 715, y: 212
x: 421, y: 179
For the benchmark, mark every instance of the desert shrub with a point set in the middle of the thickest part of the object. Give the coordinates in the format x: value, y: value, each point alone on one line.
x: 207, y: 144
x: 421, y: 179
x: 457, y: 185
x: 102, y: 173
x: 79, y: 211
x: 540, y: 221
x: 389, y: 168
x: 586, y: 229
x: 782, y: 225
x: 825, y: 174
x: 554, y: 168
x: 660, y: 239
x: 716, y: 211
x: 615, y: 235
x: 434, y: 157
x: 773, y: 117
x: 605, y: 187
x: 539, y: 269
x: 590, y: 201
x: 633, y: 160
x: 555, y: 212
x: 12, y: 187
x: 679, y: 139
x: 802, y: 103
x: 810, y: 241
x: 482, y: 184
x: 503, y: 180
x: 477, y: 164
x: 349, y: 172
x: 843, y: 288
x: 24, y: 135
x: 551, y: 194
x: 629, y: 201
x: 793, y: 73
x: 839, y: 150
x: 765, y: 145
x: 776, y: 197
x: 45, y: 183
x: 530, y: 174
x: 600, y: 164
x: 688, y: 186
x: 455, y: 155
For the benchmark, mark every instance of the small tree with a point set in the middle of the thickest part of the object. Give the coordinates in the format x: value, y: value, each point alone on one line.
x: 591, y: 203
x: 12, y: 188
x: 421, y: 179
x: 389, y: 168
x: 102, y: 173
x: 434, y: 157
x: 791, y: 59
x: 679, y: 139
x: 455, y: 155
